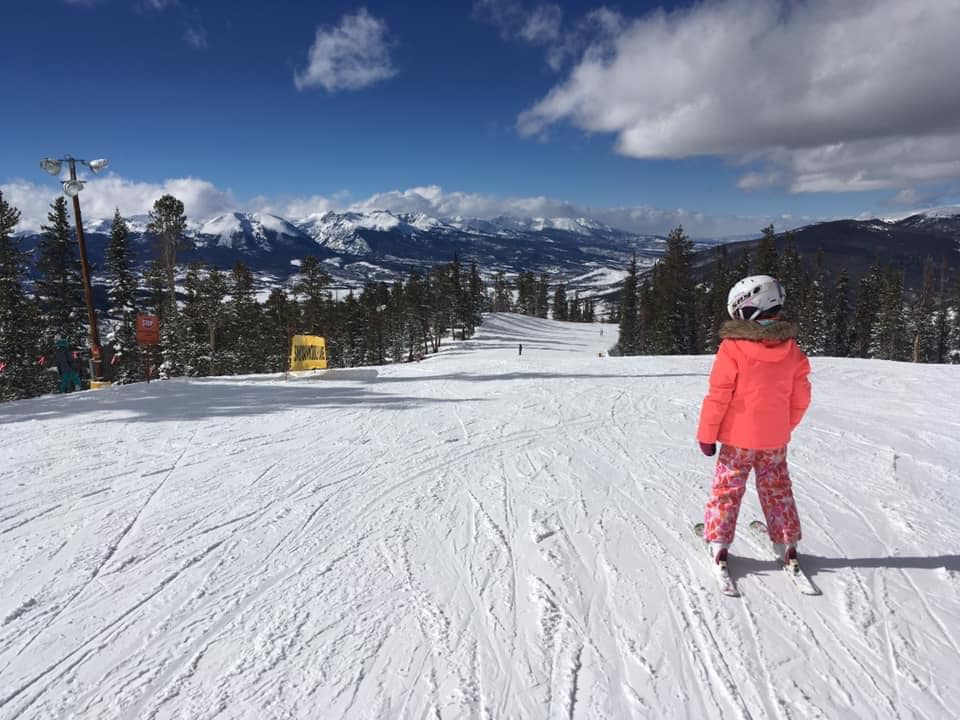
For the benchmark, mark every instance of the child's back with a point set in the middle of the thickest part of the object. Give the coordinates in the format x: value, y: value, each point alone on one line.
x: 758, y: 386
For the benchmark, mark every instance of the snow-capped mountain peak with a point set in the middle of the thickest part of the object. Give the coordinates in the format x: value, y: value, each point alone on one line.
x: 243, y: 231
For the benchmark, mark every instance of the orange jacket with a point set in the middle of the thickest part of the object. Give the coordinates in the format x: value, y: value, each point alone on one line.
x: 759, y: 389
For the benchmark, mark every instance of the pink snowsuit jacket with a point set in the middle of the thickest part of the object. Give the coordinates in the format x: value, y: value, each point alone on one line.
x: 759, y: 389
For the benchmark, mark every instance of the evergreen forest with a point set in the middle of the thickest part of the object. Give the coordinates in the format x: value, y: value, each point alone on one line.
x: 217, y: 321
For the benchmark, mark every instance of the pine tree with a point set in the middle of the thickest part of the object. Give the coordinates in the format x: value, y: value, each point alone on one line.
x: 122, y: 312
x: 477, y: 296
x: 589, y: 311
x: 20, y: 374
x: 941, y: 321
x: 838, y: 318
x: 953, y: 345
x: 280, y: 320
x: 396, y: 312
x: 440, y: 299
x: 767, y: 253
x: 312, y: 286
x: 867, y: 312
x: 244, y: 323
x: 575, y: 308
x: 789, y: 271
x: 889, y: 340
x: 675, y: 299
x: 813, y: 330
x: 58, y: 288
x: 714, y: 306
x: 542, y: 293
x: 921, y: 326
x: 155, y: 282
x: 560, y: 309
x: 415, y: 319
x: 212, y: 295
x: 743, y: 266
x: 645, y: 324
x: 629, y: 341
x: 168, y: 224
x: 526, y: 293
x: 195, y: 345
x: 502, y: 301
x: 460, y: 299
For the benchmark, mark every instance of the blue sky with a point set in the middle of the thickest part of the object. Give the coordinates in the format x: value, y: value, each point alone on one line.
x: 723, y: 115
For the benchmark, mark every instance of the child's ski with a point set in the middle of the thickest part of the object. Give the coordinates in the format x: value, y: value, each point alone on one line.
x: 720, y: 572
x: 792, y: 569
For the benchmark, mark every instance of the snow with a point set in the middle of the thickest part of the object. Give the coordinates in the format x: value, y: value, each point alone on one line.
x: 482, y: 534
x: 224, y: 228
x: 274, y: 224
x: 944, y: 211
x: 381, y: 220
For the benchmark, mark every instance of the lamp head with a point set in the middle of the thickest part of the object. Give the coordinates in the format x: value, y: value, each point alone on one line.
x: 97, y: 165
x: 72, y: 187
x: 51, y: 165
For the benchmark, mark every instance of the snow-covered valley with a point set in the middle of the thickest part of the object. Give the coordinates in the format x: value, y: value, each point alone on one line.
x: 481, y: 535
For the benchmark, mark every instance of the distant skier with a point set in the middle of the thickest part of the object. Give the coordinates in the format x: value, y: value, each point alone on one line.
x: 759, y: 392
x: 520, y: 349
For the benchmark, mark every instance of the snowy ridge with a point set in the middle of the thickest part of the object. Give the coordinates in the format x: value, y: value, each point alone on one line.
x: 482, y: 534
x: 935, y: 213
x: 242, y: 231
x: 135, y: 224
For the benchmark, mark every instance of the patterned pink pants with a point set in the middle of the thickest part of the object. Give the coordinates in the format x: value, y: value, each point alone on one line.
x: 773, y: 486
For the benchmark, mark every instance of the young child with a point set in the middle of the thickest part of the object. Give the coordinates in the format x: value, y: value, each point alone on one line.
x: 759, y: 391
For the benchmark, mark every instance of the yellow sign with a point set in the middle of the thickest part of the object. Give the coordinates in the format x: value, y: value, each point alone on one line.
x: 308, y: 352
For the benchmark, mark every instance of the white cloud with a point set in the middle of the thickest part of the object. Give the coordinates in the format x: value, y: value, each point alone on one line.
x: 296, y: 208
x: 158, y: 5
x: 539, y: 26
x: 350, y: 56
x: 203, y: 200
x: 432, y: 200
x: 196, y: 36
x: 101, y: 196
x: 815, y: 90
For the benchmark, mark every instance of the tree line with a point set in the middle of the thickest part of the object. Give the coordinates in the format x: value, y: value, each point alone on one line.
x: 666, y: 311
x: 213, y: 321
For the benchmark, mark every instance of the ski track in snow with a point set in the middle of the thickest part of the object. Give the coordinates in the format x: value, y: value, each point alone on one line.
x: 479, y: 535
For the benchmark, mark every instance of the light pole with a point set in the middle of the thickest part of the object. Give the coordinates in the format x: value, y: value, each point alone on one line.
x: 72, y: 188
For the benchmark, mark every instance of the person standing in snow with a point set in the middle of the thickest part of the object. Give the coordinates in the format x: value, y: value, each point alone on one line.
x: 759, y: 392
x: 66, y: 366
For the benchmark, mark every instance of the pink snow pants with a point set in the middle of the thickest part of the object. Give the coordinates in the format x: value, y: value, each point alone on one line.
x: 773, y: 486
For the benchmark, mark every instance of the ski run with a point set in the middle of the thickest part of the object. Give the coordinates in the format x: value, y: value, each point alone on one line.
x: 480, y: 535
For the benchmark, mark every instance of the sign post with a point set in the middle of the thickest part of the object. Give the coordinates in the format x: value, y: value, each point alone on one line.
x: 148, y: 336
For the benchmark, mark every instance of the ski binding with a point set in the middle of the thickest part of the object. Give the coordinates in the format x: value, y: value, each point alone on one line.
x: 721, y: 573
x: 791, y: 567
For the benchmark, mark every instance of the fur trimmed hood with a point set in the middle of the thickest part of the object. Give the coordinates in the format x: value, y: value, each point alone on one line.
x: 776, y: 332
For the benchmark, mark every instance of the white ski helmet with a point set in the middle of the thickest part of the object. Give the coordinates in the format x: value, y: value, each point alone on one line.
x: 754, y: 295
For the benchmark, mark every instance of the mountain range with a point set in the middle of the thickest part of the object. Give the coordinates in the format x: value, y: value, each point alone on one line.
x: 356, y: 247
x: 906, y: 242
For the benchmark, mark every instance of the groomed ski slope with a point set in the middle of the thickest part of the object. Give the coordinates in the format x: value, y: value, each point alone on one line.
x: 480, y: 535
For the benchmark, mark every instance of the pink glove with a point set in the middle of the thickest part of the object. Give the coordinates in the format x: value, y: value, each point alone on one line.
x: 708, y: 449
